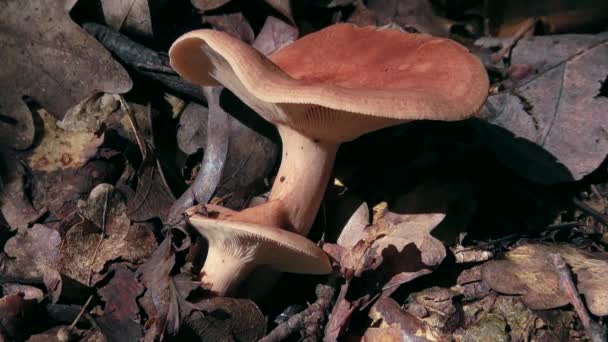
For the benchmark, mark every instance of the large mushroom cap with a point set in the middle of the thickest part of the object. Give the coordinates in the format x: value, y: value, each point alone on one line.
x: 280, y: 249
x: 342, y: 81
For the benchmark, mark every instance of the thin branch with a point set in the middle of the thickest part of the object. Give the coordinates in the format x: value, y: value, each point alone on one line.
x: 309, y: 321
x: 103, y: 233
x: 590, y: 211
x: 594, y: 331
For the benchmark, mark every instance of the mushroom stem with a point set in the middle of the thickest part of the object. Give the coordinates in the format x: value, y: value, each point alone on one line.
x: 299, y: 186
x: 224, y: 270
x: 302, y: 179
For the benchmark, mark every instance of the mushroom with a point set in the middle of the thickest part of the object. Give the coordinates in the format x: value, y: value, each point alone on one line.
x: 329, y: 87
x: 236, y: 248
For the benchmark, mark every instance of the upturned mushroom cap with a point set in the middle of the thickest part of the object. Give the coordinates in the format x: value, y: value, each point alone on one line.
x: 260, y: 245
x: 340, y: 82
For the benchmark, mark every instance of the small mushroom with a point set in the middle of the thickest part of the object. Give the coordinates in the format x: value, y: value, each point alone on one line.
x: 329, y: 87
x: 236, y: 249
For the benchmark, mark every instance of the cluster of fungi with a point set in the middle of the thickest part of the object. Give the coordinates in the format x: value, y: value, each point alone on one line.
x: 326, y: 88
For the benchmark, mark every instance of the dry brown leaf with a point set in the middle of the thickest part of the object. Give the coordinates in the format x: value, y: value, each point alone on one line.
x: 35, y: 252
x: 562, y: 108
x: 234, y: 24
x: 415, y: 14
x: 132, y: 16
x: 29, y: 292
x: 556, y: 16
x: 283, y: 7
x: 15, y: 316
x: 386, y: 313
x: 89, y: 115
x: 60, y: 149
x: 528, y: 271
x: 120, y: 320
x: 207, y: 5
x: 105, y: 211
x: 48, y: 57
x: 386, y: 334
x: 274, y: 35
x: 221, y: 318
x: 192, y: 129
x: 15, y: 203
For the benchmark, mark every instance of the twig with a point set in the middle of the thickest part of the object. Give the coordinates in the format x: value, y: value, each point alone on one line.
x: 590, y: 211
x: 516, y: 37
x: 84, y: 307
x: 594, y: 330
x: 68, y: 333
x: 103, y: 233
x: 309, y: 321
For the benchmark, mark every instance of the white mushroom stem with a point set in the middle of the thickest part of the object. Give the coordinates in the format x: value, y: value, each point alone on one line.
x: 299, y: 186
x: 302, y: 179
x: 227, y: 265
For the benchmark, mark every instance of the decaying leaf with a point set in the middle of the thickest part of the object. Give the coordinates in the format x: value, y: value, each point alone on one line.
x: 561, y: 108
x: 274, y: 35
x: 89, y: 114
x: 15, y: 203
x: 219, y: 319
x: 153, y: 196
x: 29, y: 292
x: 132, y: 16
x: 207, y: 5
x: 436, y: 307
x: 104, y: 234
x: 15, y: 315
x: 235, y: 24
x: 60, y: 149
x: 120, y: 320
x: 192, y: 129
x: 48, y: 57
x: 155, y: 275
x: 556, y: 16
x: 120, y: 293
x: 387, y: 314
x: 528, y: 271
x: 35, y: 252
x: 417, y: 15
x: 283, y: 7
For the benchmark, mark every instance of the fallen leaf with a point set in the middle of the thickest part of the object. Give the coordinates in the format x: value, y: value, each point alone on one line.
x: 207, y: 5
x: 29, y: 292
x: 554, y: 16
x: 220, y: 319
x: 528, y: 271
x: 50, y: 58
x: 131, y: 16
x: 234, y: 24
x: 561, y: 108
x: 417, y: 15
x: 16, y: 315
x: 153, y: 197
x: 192, y: 129
x: 436, y: 307
x: 274, y: 35
x: 60, y: 149
x: 387, y: 313
x: 104, y: 218
x: 155, y: 275
x: 15, y: 203
x: 387, y: 334
x: 491, y: 327
x: 34, y: 252
x: 283, y: 7
x: 120, y: 294
x: 89, y: 114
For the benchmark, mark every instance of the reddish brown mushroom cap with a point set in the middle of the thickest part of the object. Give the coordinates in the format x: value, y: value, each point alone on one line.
x: 342, y: 81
